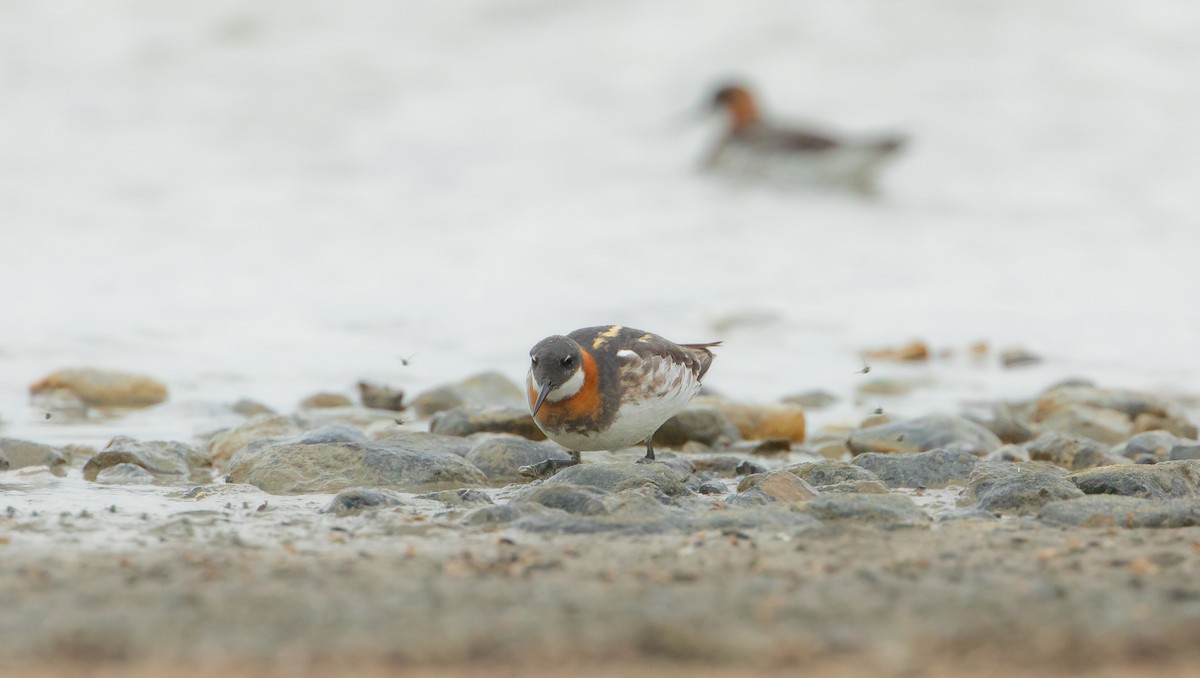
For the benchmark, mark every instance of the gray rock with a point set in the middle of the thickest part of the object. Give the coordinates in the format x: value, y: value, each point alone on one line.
x: 618, y: 476
x: 380, y: 397
x: 576, y: 499
x: 1014, y: 453
x: 747, y: 467
x: 778, y: 485
x: 500, y: 514
x: 489, y: 389
x: 1156, y: 444
x: 1130, y: 403
x: 935, y: 468
x: 459, y: 497
x: 324, y: 399
x: 168, y: 462
x: 722, y: 465
x: 356, y: 499
x: 501, y: 456
x: 1118, y: 511
x: 1168, y: 480
x: 465, y: 422
x: 3, y: 462
x: 352, y: 415
x: 811, y: 400
x: 965, y: 514
x: 823, y: 473
x: 1176, y: 423
x: 1016, y: 356
x: 1107, y: 426
x: 292, y: 467
x: 125, y: 474
x: 887, y: 510
x: 702, y: 424
x: 711, y: 487
x: 224, y: 445
x: 250, y: 408
x: 856, y: 487
x: 22, y: 453
x: 1008, y: 423
x: 1185, y: 450
x: 1071, y: 452
x: 1022, y: 488
x: 429, y: 442
x: 924, y: 434
x: 104, y: 388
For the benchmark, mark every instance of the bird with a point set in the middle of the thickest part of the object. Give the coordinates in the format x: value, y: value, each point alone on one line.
x: 753, y: 146
x: 609, y: 387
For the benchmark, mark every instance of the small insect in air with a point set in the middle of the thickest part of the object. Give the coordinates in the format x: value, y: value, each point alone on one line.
x: 405, y: 361
x: 47, y: 415
x: 866, y: 368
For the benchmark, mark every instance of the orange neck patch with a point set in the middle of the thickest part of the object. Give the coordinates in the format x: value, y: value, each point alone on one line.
x: 742, y: 109
x: 583, y: 405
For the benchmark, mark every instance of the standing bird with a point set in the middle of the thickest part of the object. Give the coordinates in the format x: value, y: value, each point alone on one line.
x: 609, y: 387
x: 753, y: 146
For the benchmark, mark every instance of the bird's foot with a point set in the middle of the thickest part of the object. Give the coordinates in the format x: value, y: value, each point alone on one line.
x: 546, y: 468
x: 645, y: 460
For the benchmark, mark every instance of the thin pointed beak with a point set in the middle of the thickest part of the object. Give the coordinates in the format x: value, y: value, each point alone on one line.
x: 545, y: 391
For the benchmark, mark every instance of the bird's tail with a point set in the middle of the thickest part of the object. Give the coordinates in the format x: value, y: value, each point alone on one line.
x: 701, y: 353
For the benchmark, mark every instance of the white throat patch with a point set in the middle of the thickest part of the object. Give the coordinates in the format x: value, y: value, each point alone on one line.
x: 569, y: 388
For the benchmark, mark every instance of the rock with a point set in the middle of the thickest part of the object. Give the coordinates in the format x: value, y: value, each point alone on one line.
x: 1021, y: 488
x: 430, y: 441
x: 258, y: 427
x: 936, y: 468
x: 355, y: 499
x: 923, y: 434
x: 124, y: 474
x: 501, y: 456
x: 489, y: 389
x: 169, y: 462
x: 887, y: 387
x: 778, y: 485
x: 1014, y: 453
x: 617, y: 476
x: 464, y: 422
x: 711, y: 487
x: 250, y: 408
x: 322, y: 400
x: 3, y: 462
x: 824, y: 473
x: 1185, y: 450
x: 747, y: 467
x: 830, y: 449
x: 761, y: 448
x: 1177, y: 424
x: 759, y: 422
x: 1016, y: 356
x: 1130, y: 403
x: 293, y: 467
x: 353, y: 415
x: 811, y: 400
x: 701, y: 424
x: 1071, y: 452
x: 887, y: 510
x: 1107, y: 426
x: 856, y: 487
x: 1168, y: 480
x: 459, y: 497
x: 104, y: 388
x: 721, y: 465
x: 21, y: 453
x: 496, y: 515
x: 1157, y: 444
x: 913, y: 351
x: 1008, y: 423
x: 380, y: 397
x: 576, y: 499
x: 1118, y: 511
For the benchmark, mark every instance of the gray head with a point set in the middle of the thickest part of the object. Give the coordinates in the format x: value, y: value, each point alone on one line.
x: 553, y: 361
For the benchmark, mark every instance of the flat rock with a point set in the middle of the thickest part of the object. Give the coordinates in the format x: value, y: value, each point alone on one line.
x: 1178, y: 424
x: 357, y: 499
x: 924, y: 434
x: 887, y: 510
x: 465, y: 422
x: 125, y: 474
x: 1072, y: 452
x: 617, y: 476
x: 353, y: 415
x: 935, y: 468
x: 1154, y: 444
x: 500, y: 456
x: 1168, y: 480
x: 778, y: 485
x: 488, y: 389
x: 166, y: 461
x: 1021, y: 488
x: 1107, y: 426
x: 432, y: 442
x: 762, y: 422
x: 458, y: 498
x: 249, y: 408
x: 21, y: 453
x: 294, y: 467
x: 575, y: 499
x: 1185, y: 450
x: 1116, y: 511
x: 325, y: 399
x: 380, y: 397
x: 811, y: 400
x: 104, y: 388
x: 823, y: 473
x: 856, y: 487
x: 224, y: 445
x: 705, y: 425
x: 1128, y: 402
x: 1008, y: 422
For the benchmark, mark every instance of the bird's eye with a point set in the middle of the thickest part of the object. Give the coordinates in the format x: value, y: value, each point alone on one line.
x: 535, y: 362
x: 567, y: 361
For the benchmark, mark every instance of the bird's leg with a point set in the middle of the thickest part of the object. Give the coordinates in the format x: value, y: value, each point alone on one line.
x: 649, y: 451
x: 548, y: 467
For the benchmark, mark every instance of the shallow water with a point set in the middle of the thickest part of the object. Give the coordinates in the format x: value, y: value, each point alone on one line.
x: 268, y: 201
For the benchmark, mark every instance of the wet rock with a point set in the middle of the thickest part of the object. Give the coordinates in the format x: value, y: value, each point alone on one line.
x: 168, y: 462
x: 1118, y: 511
x: 1017, y: 356
x: 250, y: 408
x: 464, y: 422
x: 823, y: 473
x: 811, y: 400
x: 1071, y: 452
x: 1107, y: 426
x: 125, y: 474
x: 500, y: 457
x: 104, y: 388
x: 1014, y: 453
x: 1185, y: 450
x: 324, y: 399
x: 430, y: 441
x: 459, y: 497
x: 575, y: 499
x: 778, y: 485
x: 224, y: 445
x: 1156, y: 444
x: 380, y: 397
x: 700, y: 424
x: 936, y: 468
x: 489, y: 389
x: 1177, y: 424
x: 618, y: 476
x: 21, y: 453
x: 1021, y: 488
x: 887, y: 510
x: 356, y: 499
x: 923, y: 434
x: 1008, y: 423
x: 411, y: 464
x: 1168, y: 480
x: 913, y: 351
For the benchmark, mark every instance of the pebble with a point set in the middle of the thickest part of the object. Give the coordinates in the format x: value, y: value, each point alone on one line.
x: 575, y: 499
x: 465, y: 422
x: 1016, y: 356
x: 356, y: 499
x: 325, y: 399
x: 225, y: 444
x: 1021, y: 488
x: 778, y: 485
x: 1168, y: 480
x: 811, y: 400
x: 21, y: 453
x: 1072, y: 452
x: 883, y: 510
x: 704, y: 425
x: 488, y: 389
x: 166, y: 461
x: 619, y: 475
x: 1104, y: 425
x: 380, y: 397
x: 935, y: 468
x: 249, y: 408
x: 1156, y: 444
x: 823, y: 473
x: 125, y: 474
x: 923, y: 434
x: 1104, y: 510
x: 500, y: 456
x: 103, y: 388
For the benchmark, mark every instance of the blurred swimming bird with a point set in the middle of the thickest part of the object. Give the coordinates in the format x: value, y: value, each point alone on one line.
x: 754, y: 147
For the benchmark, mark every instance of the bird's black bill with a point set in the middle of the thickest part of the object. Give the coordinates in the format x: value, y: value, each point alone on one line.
x: 537, y: 405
